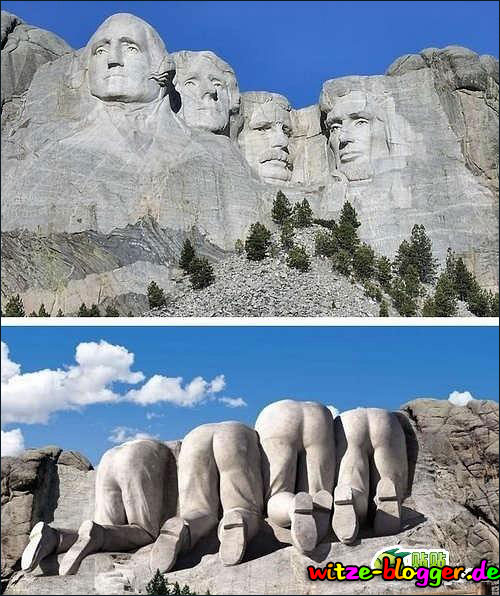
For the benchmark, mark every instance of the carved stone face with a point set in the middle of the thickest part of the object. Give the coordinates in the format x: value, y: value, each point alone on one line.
x: 351, y: 131
x: 120, y: 62
x: 265, y: 138
x: 204, y: 94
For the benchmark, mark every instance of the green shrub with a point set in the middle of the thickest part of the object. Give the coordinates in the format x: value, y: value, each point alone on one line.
x: 363, y: 261
x: 342, y: 262
x: 325, y: 243
x: 187, y: 255
x: 258, y: 242
x: 282, y: 209
x: 14, y: 307
x: 298, y: 258
x: 302, y: 214
x: 156, y: 295
x: 202, y: 273
x: 287, y: 235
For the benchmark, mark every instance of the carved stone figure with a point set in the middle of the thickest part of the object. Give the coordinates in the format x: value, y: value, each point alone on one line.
x: 298, y: 468
x: 218, y: 468
x: 130, y: 507
x: 208, y: 91
x: 372, y: 456
x: 265, y: 136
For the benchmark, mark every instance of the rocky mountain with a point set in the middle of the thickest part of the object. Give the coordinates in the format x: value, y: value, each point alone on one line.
x: 454, y: 465
x: 99, y: 194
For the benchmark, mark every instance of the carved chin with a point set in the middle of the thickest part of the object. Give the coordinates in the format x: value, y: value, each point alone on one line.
x: 360, y: 169
x: 275, y: 172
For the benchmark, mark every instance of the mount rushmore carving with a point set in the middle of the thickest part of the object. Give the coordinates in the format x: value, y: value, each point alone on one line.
x: 296, y: 468
x: 115, y: 153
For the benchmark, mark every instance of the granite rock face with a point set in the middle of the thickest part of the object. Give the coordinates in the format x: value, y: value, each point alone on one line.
x: 453, y: 468
x: 46, y: 483
x: 196, y: 160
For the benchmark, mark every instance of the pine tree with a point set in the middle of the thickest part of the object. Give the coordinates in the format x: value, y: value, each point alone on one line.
x: 325, y: 243
x: 342, y: 262
x: 384, y: 310
x: 158, y: 586
x: 298, y: 258
x: 383, y: 273
x: 463, y: 280
x: 411, y: 281
x: 14, y: 307
x: 445, y: 303
x: 60, y: 313
x: 156, y: 296
x: 417, y: 252
x: 428, y: 309
x: 42, y: 312
x: 363, y: 261
x: 282, y: 208
x: 302, y: 214
x: 187, y: 255
x: 287, y: 235
x: 111, y: 311
x: 403, y: 302
x: 83, y: 311
x: 94, y: 311
x: 478, y: 300
x: 202, y: 273
x: 258, y: 242
x: 493, y: 305
x: 347, y: 234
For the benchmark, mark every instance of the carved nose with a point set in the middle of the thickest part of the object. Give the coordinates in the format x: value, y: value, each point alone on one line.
x: 279, y: 139
x: 344, y: 142
x: 115, y: 57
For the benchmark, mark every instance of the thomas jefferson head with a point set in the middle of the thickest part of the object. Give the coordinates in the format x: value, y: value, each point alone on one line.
x: 127, y: 61
x: 208, y: 90
x: 265, y: 136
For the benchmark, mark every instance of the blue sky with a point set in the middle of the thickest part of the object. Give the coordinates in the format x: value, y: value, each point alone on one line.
x: 342, y: 366
x: 288, y: 47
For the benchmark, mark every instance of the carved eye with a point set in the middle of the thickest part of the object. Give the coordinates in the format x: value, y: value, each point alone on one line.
x: 335, y: 127
x: 287, y: 130
x: 216, y: 83
x: 263, y: 127
x: 360, y: 122
x: 133, y: 49
x: 189, y: 83
x: 100, y: 50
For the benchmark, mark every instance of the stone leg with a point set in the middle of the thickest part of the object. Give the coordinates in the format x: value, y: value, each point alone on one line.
x: 44, y: 541
x: 390, y: 469
x: 353, y: 482
x: 130, y: 502
x: 237, y: 456
x: 198, y: 500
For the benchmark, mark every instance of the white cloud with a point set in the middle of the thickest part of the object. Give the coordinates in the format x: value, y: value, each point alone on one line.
x: 170, y: 389
x: 32, y: 397
x: 121, y: 434
x: 460, y: 398
x: 9, y: 368
x: 151, y: 415
x: 233, y: 402
x: 12, y: 442
x: 335, y: 411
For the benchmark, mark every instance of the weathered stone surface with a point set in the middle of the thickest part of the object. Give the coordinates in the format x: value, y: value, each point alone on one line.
x: 24, y: 49
x: 77, y: 160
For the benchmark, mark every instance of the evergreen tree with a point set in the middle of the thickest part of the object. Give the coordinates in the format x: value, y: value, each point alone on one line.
x: 428, y: 309
x: 403, y: 302
x: 417, y: 252
x: 94, y: 311
x: 383, y: 272
x: 111, y: 311
x: 298, y: 258
x: 302, y: 214
x: 156, y: 295
x: 282, y: 208
x: 342, y: 262
x: 363, y: 261
x: 202, y: 273
x: 445, y: 303
x: 325, y: 243
x: 329, y: 224
x: 493, y: 305
x: 60, y: 313
x: 287, y: 235
x: 187, y: 255
x: 347, y: 234
x: 239, y: 247
x: 258, y: 242
x: 158, y: 586
x: 42, y: 312
x: 478, y: 300
x: 411, y: 280
x: 384, y: 310
x: 83, y: 311
x: 463, y: 280
x: 14, y: 307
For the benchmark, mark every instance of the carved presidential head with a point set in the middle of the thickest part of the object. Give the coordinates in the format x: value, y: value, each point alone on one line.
x: 208, y: 90
x: 356, y: 126
x: 265, y: 135
x: 127, y: 61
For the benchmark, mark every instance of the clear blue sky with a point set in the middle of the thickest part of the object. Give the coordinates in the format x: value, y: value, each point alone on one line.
x: 288, y: 47
x: 345, y: 367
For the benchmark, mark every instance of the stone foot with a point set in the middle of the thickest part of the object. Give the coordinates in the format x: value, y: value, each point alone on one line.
x: 233, y: 538
x: 90, y: 540
x: 323, y: 504
x: 344, y: 521
x: 303, y: 527
x: 174, y: 537
x: 388, y: 515
x: 43, y: 542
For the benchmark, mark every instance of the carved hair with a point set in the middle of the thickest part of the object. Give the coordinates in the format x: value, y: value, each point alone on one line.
x: 185, y: 58
x: 253, y: 99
